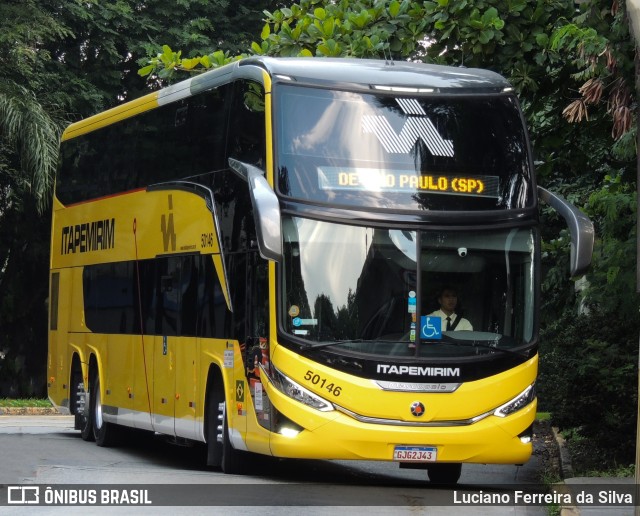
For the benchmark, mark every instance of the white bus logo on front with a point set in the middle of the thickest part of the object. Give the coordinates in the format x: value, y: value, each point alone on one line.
x: 417, y: 127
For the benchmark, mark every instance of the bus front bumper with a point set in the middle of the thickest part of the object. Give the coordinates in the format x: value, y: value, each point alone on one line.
x: 492, y: 440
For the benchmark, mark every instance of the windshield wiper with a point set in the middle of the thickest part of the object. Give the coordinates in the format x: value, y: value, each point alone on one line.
x: 475, y: 344
x: 327, y: 343
x: 445, y: 339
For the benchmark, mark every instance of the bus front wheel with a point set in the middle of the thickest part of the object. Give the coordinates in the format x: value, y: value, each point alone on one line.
x: 233, y: 460
x: 214, y: 431
x: 220, y: 452
x: 444, y: 473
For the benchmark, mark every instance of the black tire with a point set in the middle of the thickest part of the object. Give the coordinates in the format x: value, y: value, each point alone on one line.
x: 214, y: 443
x: 444, y: 473
x: 105, y: 434
x: 233, y: 461
x: 83, y: 415
x: 220, y: 452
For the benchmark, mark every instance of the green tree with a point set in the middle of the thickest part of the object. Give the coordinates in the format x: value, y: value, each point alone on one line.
x: 30, y: 139
x: 29, y: 136
x: 29, y: 127
x: 100, y: 61
x: 597, y: 351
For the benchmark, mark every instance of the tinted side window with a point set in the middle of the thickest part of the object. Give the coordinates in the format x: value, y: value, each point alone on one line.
x: 54, y: 296
x: 146, y: 270
x: 237, y: 269
x: 179, y: 296
x: 247, y: 133
x: 214, y: 319
x: 247, y: 137
x: 180, y: 140
x: 109, y: 291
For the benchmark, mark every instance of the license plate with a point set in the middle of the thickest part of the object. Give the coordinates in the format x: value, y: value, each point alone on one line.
x: 415, y: 453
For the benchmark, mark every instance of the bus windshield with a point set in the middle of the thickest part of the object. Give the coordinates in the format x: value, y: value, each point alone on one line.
x: 456, y: 152
x: 356, y: 288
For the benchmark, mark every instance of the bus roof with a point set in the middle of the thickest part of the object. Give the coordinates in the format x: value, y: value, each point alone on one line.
x: 369, y: 73
x: 348, y: 73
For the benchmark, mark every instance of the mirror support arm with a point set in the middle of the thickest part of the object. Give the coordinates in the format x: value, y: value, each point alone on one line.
x: 266, y: 209
x: 580, y: 226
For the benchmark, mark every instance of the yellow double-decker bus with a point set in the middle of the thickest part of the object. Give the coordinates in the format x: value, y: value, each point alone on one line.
x: 262, y: 258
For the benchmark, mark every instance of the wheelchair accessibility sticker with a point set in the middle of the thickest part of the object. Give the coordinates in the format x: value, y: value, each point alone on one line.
x: 430, y: 327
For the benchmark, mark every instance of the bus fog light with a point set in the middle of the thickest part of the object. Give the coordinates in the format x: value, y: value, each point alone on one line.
x: 285, y: 426
x: 517, y: 403
x: 289, y: 432
x: 527, y: 436
x: 298, y: 392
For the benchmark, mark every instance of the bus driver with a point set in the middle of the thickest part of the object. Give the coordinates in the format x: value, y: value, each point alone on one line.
x: 448, y: 300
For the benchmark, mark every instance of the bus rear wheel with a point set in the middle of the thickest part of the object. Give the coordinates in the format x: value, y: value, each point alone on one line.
x: 105, y: 434
x: 81, y: 409
x: 444, y: 473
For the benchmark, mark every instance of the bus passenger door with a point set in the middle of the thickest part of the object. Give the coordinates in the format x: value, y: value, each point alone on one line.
x: 175, y: 347
x: 163, y: 383
x: 186, y: 350
x: 166, y: 311
x: 258, y: 329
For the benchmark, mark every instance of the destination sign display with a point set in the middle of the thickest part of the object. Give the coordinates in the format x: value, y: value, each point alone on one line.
x: 378, y: 180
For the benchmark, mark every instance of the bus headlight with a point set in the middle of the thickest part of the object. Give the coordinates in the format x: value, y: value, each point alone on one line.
x: 298, y: 392
x: 520, y: 401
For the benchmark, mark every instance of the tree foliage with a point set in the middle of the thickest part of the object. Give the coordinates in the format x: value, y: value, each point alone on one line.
x: 109, y: 38
x: 603, y: 55
x: 29, y: 134
x: 29, y: 125
x: 589, y: 361
x: 30, y: 137
x: 586, y: 381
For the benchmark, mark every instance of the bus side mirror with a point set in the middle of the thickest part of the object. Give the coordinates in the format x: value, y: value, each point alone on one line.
x: 266, y: 209
x: 580, y: 226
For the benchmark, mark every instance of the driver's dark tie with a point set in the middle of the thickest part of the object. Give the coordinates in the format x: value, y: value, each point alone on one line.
x: 448, y: 323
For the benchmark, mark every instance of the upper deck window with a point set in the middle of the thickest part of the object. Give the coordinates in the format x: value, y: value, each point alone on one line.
x: 400, y: 151
x: 176, y: 141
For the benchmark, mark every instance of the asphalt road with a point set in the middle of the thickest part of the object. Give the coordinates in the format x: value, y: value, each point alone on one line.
x: 46, y: 451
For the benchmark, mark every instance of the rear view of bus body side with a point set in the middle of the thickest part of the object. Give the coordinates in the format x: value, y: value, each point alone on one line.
x: 253, y: 259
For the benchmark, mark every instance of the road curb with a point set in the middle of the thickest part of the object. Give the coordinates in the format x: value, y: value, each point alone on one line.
x: 566, y: 467
x: 28, y: 411
x: 566, y: 470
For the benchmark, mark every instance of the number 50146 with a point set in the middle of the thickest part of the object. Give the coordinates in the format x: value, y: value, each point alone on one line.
x: 323, y: 383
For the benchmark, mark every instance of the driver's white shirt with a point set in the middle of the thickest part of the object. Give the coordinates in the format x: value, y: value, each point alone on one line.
x: 463, y: 324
